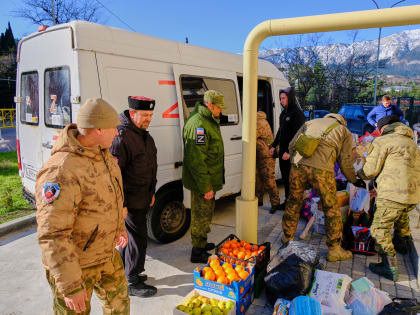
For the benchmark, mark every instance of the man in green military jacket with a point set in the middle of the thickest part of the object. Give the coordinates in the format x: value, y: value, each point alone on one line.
x: 203, y: 169
x: 394, y: 160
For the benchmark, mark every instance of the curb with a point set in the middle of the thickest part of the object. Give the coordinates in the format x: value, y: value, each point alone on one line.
x: 17, y: 224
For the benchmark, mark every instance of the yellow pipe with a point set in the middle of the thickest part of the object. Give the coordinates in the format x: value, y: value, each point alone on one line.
x: 246, y: 204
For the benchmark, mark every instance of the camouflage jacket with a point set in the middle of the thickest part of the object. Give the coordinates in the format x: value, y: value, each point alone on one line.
x: 395, y: 160
x: 336, y: 147
x: 264, y: 136
x: 79, y: 201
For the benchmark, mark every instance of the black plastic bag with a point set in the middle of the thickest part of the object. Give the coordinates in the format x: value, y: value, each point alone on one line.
x: 400, y: 306
x: 292, y: 278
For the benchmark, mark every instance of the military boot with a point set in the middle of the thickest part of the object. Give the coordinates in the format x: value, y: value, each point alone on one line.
x: 387, y: 268
x: 402, y: 244
x: 199, y: 255
x: 209, y: 246
x: 336, y: 253
x: 275, y: 208
x: 137, y: 287
x: 284, y: 241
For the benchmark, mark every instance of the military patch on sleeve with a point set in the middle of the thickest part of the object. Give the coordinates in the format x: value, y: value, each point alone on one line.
x: 50, y: 192
x: 200, y: 136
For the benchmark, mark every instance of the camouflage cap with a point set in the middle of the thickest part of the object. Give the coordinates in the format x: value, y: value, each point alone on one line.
x: 97, y: 113
x: 215, y: 98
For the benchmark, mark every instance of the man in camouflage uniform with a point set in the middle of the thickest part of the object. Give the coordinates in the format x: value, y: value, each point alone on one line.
x: 265, y: 179
x: 80, y: 215
x: 203, y: 168
x: 318, y: 171
x: 394, y: 160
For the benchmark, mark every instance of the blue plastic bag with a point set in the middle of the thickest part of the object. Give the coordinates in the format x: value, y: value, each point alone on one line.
x: 305, y: 305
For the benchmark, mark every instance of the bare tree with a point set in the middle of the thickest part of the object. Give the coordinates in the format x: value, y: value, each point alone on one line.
x: 40, y: 11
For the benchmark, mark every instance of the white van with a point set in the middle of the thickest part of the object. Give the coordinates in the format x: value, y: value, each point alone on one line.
x: 61, y: 66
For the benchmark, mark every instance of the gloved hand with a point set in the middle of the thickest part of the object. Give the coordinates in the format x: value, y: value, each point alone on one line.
x: 360, y: 183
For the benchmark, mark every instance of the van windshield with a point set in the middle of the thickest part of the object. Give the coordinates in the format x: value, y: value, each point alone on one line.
x: 57, y: 97
x: 29, y: 104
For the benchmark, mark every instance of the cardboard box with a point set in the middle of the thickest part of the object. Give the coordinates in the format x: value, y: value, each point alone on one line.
x: 243, y: 304
x: 236, y: 291
x: 207, y: 295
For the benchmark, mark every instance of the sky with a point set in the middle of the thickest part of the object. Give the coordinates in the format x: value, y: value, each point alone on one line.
x: 218, y: 24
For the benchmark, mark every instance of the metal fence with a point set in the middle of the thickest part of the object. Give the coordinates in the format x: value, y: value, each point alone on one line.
x: 7, y: 118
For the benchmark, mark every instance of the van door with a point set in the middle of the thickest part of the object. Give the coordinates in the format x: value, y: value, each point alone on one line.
x: 191, y: 84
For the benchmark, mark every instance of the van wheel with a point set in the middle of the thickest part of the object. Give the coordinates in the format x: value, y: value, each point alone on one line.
x: 168, y: 219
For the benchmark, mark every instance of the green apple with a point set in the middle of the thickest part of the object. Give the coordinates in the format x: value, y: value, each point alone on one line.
x: 196, y: 311
x: 229, y: 305
x: 181, y: 307
x: 221, y: 305
x: 207, y: 313
x: 215, y: 311
x: 204, y: 300
x: 205, y: 307
x: 213, y: 302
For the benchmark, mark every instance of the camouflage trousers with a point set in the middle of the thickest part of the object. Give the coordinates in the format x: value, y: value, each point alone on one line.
x: 265, y: 180
x: 389, y: 214
x: 201, y: 214
x: 324, y: 184
x: 108, y: 281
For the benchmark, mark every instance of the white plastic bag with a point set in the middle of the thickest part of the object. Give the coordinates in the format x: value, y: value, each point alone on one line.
x: 365, y: 299
x: 329, y: 288
x: 359, y: 198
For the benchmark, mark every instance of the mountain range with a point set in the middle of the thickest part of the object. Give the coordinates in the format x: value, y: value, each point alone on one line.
x: 400, y: 53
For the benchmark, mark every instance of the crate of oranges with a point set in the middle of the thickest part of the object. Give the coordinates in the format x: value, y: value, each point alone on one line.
x: 223, y: 278
x: 235, y: 251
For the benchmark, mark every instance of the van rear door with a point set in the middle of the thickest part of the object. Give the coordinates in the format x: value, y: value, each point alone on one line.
x: 46, y: 70
x: 191, y: 84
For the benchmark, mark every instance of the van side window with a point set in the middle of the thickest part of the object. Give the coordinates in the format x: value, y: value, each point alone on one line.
x: 193, y: 89
x: 29, y: 105
x: 57, y: 105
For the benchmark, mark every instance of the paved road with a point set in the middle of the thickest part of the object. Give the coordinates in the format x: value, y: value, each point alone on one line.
x: 7, y: 139
x: 24, y: 289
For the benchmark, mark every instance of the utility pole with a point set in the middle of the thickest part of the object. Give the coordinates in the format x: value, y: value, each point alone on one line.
x: 53, y: 11
x: 377, y: 53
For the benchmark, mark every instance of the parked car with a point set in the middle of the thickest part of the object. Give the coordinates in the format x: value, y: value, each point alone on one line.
x: 356, y: 117
x: 317, y: 113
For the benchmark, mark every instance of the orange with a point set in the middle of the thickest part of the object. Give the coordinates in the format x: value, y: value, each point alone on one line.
x: 262, y: 247
x: 231, y: 277
x: 225, y: 251
x: 247, y: 256
x: 239, y: 268
x: 235, y: 252
x: 242, y: 243
x: 244, y: 274
x: 254, y: 254
x: 241, y: 255
x: 210, y: 276
x: 233, y: 245
x: 226, y: 245
x: 219, y: 272
x: 214, y: 262
x: 205, y: 270
x: 226, y: 265
x: 247, y: 246
x: 222, y: 279
x: 254, y: 248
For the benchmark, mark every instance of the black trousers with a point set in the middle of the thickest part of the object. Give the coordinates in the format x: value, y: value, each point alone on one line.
x: 134, y: 254
x: 285, y: 174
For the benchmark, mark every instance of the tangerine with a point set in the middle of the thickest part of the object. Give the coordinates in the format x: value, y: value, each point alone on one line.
x: 247, y: 256
x: 262, y: 247
x: 244, y: 274
x: 247, y: 246
x: 214, y: 262
x: 225, y: 251
x: 226, y: 245
x: 235, y: 252
x: 231, y: 277
x: 222, y: 279
x: 205, y: 269
x: 241, y: 255
x: 219, y: 272
x: 239, y: 268
x: 210, y: 276
x: 254, y: 248
x: 226, y: 265
x: 242, y: 242
x: 233, y: 245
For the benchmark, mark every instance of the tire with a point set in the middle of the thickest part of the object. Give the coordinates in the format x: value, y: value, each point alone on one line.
x: 168, y: 219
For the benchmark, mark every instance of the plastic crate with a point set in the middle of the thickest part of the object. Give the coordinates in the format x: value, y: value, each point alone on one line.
x: 259, y: 261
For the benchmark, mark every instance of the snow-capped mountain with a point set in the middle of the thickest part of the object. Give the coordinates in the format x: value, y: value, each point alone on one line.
x: 400, y: 51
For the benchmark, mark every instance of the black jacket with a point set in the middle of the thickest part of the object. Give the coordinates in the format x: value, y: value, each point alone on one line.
x: 291, y: 119
x: 136, y: 153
